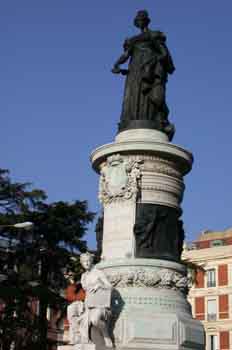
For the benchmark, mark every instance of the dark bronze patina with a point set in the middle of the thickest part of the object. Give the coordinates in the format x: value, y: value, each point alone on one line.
x: 99, y: 235
x: 158, y: 232
x: 144, y: 103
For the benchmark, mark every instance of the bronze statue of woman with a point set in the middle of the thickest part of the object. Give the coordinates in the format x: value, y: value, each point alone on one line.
x: 144, y: 103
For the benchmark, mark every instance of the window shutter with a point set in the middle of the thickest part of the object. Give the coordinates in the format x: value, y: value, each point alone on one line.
x: 222, y: 275
x: 199, y: 279
x: 223, y: 306
x: 200, y: 308
x: 203, y: 244
x: 225, y: 340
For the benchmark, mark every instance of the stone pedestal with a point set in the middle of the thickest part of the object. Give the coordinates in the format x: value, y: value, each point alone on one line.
x: 84, y: 347
x: 141, y: 189
x: 150, y: 309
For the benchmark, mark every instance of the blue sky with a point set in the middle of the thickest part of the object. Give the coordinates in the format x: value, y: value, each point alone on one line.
x: 59, y: 100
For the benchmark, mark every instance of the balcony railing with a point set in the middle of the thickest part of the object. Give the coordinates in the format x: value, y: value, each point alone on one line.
x: 211, y: 284
x: 211, y: 317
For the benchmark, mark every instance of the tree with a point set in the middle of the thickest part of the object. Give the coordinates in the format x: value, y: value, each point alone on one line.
x: 37, y: 261
x: 16, y: 197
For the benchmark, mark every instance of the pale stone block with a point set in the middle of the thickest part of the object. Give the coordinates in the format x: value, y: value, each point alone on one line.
x: 161, y: 189
x: 180, y: 156
x: 141, y: 134
x: 84, y: 347
x: 160, y: 330
x: 191, y: 333
x: 114, y: 250
x: 119, y: 220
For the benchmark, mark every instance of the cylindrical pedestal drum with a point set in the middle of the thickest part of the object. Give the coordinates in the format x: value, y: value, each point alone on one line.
x: 141, y: 188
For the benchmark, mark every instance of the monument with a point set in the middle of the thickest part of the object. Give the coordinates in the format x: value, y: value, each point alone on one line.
x: 141, y: 188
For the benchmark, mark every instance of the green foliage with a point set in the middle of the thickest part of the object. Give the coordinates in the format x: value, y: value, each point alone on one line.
x: 16, y: 197
x: 36, y: 262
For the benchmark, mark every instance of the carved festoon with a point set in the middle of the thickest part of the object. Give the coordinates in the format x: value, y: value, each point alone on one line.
x: 163, y: 278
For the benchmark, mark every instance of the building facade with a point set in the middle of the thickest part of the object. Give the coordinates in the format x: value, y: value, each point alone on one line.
x: 211, y: 292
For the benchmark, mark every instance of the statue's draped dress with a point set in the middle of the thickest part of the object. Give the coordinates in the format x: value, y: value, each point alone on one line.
x: 149, y: 66
x: 137, y: 104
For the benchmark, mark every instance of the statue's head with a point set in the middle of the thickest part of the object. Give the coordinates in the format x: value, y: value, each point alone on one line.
x: 86, y: 260
x: 142, y: 19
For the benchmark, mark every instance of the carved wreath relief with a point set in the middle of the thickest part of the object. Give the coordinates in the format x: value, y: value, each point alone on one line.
x: 164, y: 278
x: 119, y: 179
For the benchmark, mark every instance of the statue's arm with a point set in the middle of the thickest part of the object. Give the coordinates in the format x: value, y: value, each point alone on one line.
x: 83, y: 281
x: 102, y: 281
x: 122, y: 59
x: 159, y: 41
x: 163, y: 51
x: 105, y: 283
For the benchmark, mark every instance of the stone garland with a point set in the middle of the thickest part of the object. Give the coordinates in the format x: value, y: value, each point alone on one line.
x: 143, y: 278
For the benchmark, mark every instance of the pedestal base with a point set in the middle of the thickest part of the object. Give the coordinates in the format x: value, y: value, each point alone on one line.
x: 149, y: 306
x: 84, y: 347
x: 141, y: 189
x: 160, y: 332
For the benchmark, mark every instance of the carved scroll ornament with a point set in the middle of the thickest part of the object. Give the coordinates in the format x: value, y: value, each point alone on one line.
x: 119, y: 179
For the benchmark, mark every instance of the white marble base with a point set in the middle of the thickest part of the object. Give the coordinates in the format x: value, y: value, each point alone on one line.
x: 141, y: 134
x: 150, y: 308
x: 77, y: 347
x: 119, y: 220
x: 161, y: 332
x: 84, y: 347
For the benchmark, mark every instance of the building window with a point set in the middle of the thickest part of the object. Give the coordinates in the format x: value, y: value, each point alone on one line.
x: 216, y: 243
x: 212, y: 310
x: 211, y: 278
x: 213, y: 342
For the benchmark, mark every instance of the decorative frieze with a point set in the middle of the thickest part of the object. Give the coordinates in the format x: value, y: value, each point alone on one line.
x: 157, y: 164
x: 161, y: 166
x: 158, y: 180
x: 164, y: 278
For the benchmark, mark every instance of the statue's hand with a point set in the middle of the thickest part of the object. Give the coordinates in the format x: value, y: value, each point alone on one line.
x: 124, y: 71
x: 116, y: 70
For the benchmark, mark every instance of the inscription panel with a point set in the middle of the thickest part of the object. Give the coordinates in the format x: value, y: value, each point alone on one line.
x: 156, y: 332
